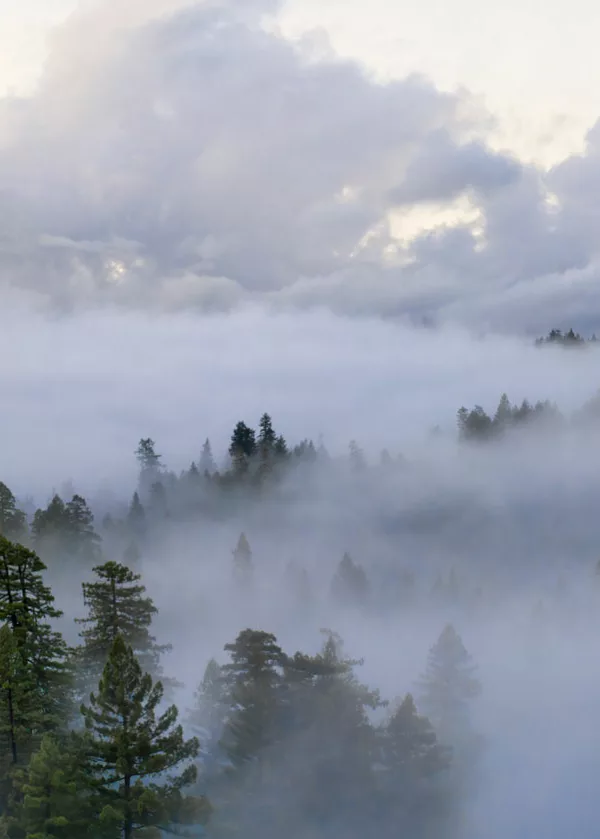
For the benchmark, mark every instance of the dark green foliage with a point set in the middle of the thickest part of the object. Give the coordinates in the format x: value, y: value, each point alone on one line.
x: 27, y: 607
x: 253, y: 682
x: 66, y: 529
x: 117, y: 606
x: 13, y: 522
x: 131, y: 748
x: 476, y: 425
x: 55, y: 793
x: 146, y: 454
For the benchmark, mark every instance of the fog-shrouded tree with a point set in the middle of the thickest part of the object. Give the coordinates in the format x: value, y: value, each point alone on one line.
x: 117, y: 606
x: 253, y: 683
x: 242, y: 447
x: 136, y: 517
x: 206, y: 462
x: 243, y: 564
x: 447, y: 688
x: 138, y: 759
x: 350, y: 586
x: 206, y: 716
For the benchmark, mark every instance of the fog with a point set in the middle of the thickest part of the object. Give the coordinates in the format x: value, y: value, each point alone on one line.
x: 203, y: 221
x: 514, y: 519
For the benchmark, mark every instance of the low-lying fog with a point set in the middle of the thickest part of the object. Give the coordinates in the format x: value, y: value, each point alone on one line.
x: 513, y: 522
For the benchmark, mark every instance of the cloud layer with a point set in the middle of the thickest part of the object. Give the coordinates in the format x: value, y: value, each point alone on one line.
x: 185, y: 155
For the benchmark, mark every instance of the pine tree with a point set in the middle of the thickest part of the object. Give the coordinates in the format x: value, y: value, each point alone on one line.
x: 117, y: 607
x: 208, y: 713
x: 448, y: 686
x: 13, y: 522
x: 21, y: 714
x: 357, y: 457
x: 253, y: 683
x: 243, y: 566
x: 50, y: 527
x: 54, y: 793
x: 146, y: 455
x: 242, y: 447
x: 207, y: 464
x: 266, y: 434
x: 136, y: 517
x: 410, y: 749
x: 83, y: 540
x: 350, y: 586
x: 27, y: 606
x: 130, y: 746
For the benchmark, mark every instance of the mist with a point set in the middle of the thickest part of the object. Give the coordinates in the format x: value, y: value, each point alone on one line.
x: 513, y: 522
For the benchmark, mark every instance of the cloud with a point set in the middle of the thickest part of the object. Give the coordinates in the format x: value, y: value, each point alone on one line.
x: 181, y: 154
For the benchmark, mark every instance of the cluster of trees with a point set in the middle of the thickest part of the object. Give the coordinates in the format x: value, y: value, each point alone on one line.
x: 274, y: 742
x: 565, y: 339
x: 76, y: 764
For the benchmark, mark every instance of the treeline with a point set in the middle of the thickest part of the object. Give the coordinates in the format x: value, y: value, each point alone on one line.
x: 275, y: 743
x: 258, y: 467
x: 565, y: 339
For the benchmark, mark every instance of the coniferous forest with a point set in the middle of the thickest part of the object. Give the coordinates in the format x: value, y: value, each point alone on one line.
x: 190, y: 660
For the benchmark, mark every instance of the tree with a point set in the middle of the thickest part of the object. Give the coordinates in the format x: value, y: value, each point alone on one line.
x: 242, y: 447
x: 357, y: 457
x: 13, y: 522
x: 266, y: 434
x: 146, y: 455
x: 350, y: 586
x: 20, y: 713
x: 253, y: 683
x: 136, y: 517
x: 206, y: 464
x: 243, y: 566
x: 55, y: 793
x: 448, y: 686
x: 27, y: 606
x: 50, y: 526
x: 411, y: 761
x: 83, y: 540
x: 130, y: 745
x: 504, y: 413
x: 207, y: 715
x: 117, y: 607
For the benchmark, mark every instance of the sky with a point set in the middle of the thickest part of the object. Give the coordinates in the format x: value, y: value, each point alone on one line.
x: 438, y: 162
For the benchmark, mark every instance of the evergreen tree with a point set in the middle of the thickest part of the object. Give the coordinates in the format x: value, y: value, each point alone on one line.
x: 350, y: 586
x: 242, y: 447
x: 448, y: 686
x: 266, y: 434
x: 146, y: 455
x: 13, y: 522
x: 117, y: 606
x: 20, y: 712
x: 253, y: 683
x: 206, y: 464
x: 136, y: 517
x: 50, y: 527
x: 207, y: 715
x: 158, y: 501
x: 27, y: 606
x: 243, y: 566
x: 357, y: 457
x: 54, y: 793
x: 83, y: 540
x: 130, y: 746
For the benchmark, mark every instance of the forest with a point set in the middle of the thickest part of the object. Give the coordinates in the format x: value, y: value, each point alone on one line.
x: 107, y: 732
